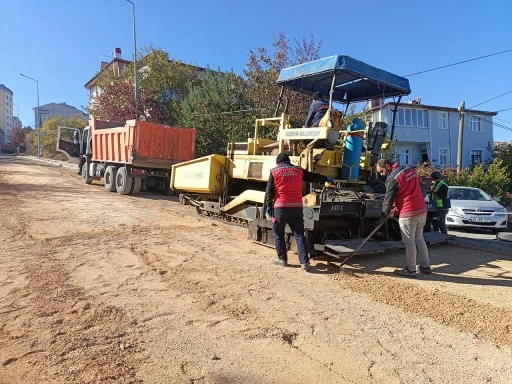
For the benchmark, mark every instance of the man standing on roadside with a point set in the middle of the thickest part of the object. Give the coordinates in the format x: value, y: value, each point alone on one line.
x: 439, y: 191
x: 283, y: 201
x: 403, y: 191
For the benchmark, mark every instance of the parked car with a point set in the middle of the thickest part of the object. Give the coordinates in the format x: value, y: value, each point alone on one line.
x: 473, y: 208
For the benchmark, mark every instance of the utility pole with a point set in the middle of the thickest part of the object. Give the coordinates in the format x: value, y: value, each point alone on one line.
x: 135, y: 62
x: 37, y: 120
x: 461, y: 133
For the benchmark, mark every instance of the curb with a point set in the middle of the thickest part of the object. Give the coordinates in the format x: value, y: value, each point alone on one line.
x: 56, y: 163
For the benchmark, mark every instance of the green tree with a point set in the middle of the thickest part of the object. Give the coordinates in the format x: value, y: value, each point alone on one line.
x: 49, y: 132
x: 504, y: 153
x: 30, y: 140
x: 262, y: 70
x: 161, y: 84
x: 492, y: 180
x: 164, y: 80
x: 216, y: 106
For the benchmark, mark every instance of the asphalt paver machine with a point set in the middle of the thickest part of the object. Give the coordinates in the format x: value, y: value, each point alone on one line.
x: 336, y: 217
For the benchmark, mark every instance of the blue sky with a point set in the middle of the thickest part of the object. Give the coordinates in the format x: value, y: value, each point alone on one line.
x: 61, y: 43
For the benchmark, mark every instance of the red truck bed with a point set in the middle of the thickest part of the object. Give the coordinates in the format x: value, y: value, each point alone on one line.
x: 141, y: 143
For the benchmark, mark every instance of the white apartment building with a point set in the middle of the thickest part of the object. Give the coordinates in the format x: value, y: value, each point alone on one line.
x: 6, y: 117
x: 430, y: 133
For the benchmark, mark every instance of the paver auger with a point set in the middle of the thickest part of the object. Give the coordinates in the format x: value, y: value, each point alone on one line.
x: 232, y: 187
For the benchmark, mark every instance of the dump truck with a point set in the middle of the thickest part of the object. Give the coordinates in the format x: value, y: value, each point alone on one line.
x: 128, y: 156
x: 336, y: 217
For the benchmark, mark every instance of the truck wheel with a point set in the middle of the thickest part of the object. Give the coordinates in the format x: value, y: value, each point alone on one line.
x: 85, y: 174
x: 110, y: 178
x: 137, y: 183
x: 123, y: 182
x: 166, y: 190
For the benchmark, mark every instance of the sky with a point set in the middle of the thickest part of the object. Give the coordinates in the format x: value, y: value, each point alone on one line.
x: 61, y: 43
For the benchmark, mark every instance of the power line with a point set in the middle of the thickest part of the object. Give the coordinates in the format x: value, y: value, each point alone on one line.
x: 503, y: 110
x: 506, y: 121
x: 488, y: 121
x: 459, y: 62
x: 483, y: 102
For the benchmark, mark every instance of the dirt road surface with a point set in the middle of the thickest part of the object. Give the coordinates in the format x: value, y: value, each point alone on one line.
x: 101, y: 288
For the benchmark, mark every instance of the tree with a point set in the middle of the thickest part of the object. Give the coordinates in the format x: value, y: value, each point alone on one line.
x: 492, y: 180
x: 216, y: 106
x: 30, y: 140
x: 49, y: 132
x: 504, y: 153
x: 164, y: 80
x: 262, y: 71
x: 161, y: 85
x: 115, y: 101
x: 17, y: 136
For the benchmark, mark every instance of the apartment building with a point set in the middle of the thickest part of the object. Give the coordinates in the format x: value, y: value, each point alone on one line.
x: 6, y: 117
x: 116, y: 65
x: 47, y: 111
x: 430, y: 133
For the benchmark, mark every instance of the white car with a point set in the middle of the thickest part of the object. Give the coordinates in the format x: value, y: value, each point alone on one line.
x: 473, y: 208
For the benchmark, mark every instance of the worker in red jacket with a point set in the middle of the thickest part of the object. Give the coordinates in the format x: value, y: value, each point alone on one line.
x: 283, y: 201
x: 403, y: 192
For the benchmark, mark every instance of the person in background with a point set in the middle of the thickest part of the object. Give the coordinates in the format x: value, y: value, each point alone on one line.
x: 439, y: 191
x: 317, y: 110
x: 403, y: 192
x: 283, y: 201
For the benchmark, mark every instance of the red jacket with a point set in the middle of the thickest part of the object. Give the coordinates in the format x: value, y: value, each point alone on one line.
x: 284, y: 186
x: 403, y: 190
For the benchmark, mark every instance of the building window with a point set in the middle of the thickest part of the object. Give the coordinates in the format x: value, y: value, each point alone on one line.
x: 475, y: 124
x: 476, y: 156
x: 442, y: 120
x: 412, y: 117
x: 402, y: 156
x: 444, y: 157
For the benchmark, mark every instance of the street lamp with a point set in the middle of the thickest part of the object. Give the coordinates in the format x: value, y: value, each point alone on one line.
x: 38, y: 118
x: 135, y: 61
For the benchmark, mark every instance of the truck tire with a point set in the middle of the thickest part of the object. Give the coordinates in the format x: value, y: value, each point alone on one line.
x: 110, y: 178
x: 137, y: 183
x: 166, y: 190
x: 85, y: 174
x: 123, y: 182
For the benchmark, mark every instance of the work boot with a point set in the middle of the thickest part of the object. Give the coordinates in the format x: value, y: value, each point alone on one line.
x: 280, y: 262
x: 305, y: 266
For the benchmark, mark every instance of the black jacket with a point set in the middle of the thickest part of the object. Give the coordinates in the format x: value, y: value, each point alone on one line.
x: 317, y: 110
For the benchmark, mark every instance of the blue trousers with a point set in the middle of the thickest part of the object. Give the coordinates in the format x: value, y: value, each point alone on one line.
x: 295, y: 219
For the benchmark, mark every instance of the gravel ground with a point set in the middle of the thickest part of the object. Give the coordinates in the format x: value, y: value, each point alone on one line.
x: 98, y: 287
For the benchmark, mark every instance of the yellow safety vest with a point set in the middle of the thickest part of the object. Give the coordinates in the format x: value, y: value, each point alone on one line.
x: 439, y: 201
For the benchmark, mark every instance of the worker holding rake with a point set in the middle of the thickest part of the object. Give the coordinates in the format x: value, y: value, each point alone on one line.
x: 404, y: 194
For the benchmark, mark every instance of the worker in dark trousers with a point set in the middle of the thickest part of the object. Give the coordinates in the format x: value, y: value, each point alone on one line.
x: 283, y: 201
x: 439, y: 191
x: 317, y: 110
